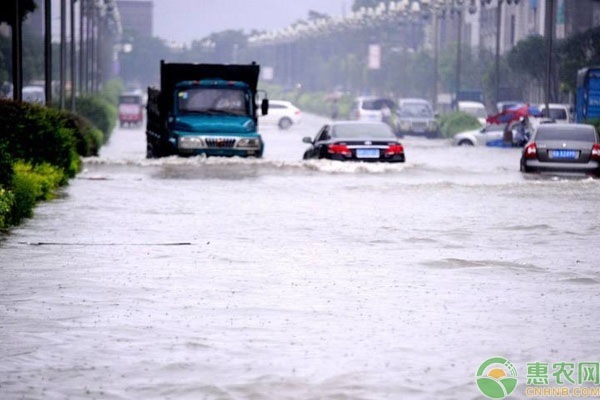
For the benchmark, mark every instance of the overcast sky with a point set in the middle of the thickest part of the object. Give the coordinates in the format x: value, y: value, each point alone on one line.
x: 186, y: 20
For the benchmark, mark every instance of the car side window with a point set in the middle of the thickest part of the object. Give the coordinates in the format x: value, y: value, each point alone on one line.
x: 323, y: 134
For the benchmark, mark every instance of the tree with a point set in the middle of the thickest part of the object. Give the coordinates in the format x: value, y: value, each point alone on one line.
x: 7, y: 11
x: 9, y: 15
x: 579, y: 51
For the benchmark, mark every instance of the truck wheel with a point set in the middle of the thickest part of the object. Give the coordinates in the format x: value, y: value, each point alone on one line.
x: 285, y: 123
x: 150, y: 153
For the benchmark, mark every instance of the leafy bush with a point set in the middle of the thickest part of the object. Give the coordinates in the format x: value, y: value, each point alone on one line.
x: 99, y: 112
x: 7, y: 202
x: 455, y: 122
x: 6, y: 160
x: 111, y: 91
x: 38, y: 135
x: 88, y: 139
x: 31, y: 184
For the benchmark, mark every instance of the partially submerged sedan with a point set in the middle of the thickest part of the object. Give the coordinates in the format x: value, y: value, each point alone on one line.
x: 563, y: 148
x: 355, y: 140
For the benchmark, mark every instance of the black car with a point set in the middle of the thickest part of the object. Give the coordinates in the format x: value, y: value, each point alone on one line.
x: 569, y: 148
x: 355, y: 140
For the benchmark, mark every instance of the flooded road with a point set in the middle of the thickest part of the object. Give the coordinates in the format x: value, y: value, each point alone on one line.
x: 284, y: 279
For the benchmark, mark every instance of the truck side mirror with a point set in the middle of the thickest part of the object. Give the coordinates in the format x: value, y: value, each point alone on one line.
x: 264, y: 106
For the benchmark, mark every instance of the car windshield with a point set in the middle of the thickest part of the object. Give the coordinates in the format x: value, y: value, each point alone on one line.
x: 555, y: 113
x: 213, y: 101
x: 416, y: 110
x: 475, y: 111
x: 130, y: 99
x: 578, y: 134
x: 377, y: 104
x: 356, y: 130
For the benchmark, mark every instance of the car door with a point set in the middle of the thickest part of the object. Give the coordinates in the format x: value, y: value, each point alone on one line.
x: 322, y: 141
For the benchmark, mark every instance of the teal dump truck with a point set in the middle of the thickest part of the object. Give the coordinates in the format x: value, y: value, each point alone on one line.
x: 205, y: 109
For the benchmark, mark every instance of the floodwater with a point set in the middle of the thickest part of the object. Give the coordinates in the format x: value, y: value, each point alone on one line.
x: 284, y: 279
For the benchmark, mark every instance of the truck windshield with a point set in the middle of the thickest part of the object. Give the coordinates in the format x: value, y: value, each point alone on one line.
x: 130, y: 99
x: 213, y: 101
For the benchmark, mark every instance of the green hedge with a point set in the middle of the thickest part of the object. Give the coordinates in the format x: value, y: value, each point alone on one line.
x: 40, y: 150
x: 99, y: 112
x: 455, y: 122
x: 38, y: 134
x: 31, y: 184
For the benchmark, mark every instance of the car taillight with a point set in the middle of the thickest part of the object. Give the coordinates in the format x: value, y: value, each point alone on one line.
x: 596, y: 152
x: 531, y: 151
x: 394, y: 149
x: 339, y: 149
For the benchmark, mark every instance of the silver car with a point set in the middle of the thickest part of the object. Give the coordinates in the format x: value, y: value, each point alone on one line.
x: 570, y: 148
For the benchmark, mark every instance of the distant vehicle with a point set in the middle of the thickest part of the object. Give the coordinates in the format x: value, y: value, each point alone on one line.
x: 372, y: 108
x: 131, y: 109
x: 282, y: 113
x: 557, y: 148
x: 34, y: 94
x: 490, y: 135
x: 474, y: 108
x: 587, y: 99
x: 205, y: 109
x: 415, y: 117
x: 558, y: 112
x: 355, y: 141
x: 505, y: 105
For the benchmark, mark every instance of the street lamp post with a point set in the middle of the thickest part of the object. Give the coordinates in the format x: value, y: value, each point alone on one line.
x: 498, y: 37
x: 549, y: 44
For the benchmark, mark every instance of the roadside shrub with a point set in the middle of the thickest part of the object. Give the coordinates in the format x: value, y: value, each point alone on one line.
x: 6, y: 160
x: 37, y: 134
x: 88, y: 139
x: 7, y: 202
x: 455, y: 122
x: 111, y: 91
x: 31, y: 184
x: 99, y: 112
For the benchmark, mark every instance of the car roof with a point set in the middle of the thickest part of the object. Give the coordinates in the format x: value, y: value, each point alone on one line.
x: 357, y: 122
x: 414, y: 100
x: 469, y: 103
x: 558, y: 126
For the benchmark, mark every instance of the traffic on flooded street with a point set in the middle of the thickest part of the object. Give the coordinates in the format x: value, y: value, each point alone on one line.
x: 277, y: 277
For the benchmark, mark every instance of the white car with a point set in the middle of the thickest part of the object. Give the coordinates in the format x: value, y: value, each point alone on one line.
x: 558, y: 112
x: 489, y: 135
x: 34, y: 94
x: 475, y: 108
x: 281, y: 113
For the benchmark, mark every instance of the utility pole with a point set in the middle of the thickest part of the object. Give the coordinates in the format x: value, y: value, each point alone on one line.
x: 48, y: 51
x: 63, y: 53
x: 17, y: 56
x: 549, y: 28
x: 73, y: 64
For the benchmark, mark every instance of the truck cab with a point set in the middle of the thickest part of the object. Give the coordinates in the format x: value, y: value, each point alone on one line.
x: 205, y: 109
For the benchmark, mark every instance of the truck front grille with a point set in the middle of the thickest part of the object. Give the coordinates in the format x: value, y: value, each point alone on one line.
x: 220, y: 142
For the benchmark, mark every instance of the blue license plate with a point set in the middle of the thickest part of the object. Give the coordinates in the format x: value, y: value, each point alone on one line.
x: 367, y: 153
x: 564, y: 154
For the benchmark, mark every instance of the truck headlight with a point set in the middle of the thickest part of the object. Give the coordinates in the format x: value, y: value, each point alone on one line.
x: 254, y: 143
x: 191, y: 142
x: 432, y: 125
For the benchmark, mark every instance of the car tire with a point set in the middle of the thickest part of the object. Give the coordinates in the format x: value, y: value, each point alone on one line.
x: 466, y: 142
x: 284, y: 123
x: 524, y: 167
